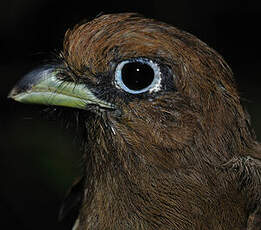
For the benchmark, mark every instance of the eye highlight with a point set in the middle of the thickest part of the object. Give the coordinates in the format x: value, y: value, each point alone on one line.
x: 137, y: 76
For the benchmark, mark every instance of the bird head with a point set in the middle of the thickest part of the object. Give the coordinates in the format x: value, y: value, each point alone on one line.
x: 157, y: 89
x: 157, y: 99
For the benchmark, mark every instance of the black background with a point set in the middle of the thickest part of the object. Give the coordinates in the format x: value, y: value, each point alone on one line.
x: 39, y: 159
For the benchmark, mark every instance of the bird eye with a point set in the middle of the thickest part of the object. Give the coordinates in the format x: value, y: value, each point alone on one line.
x: 138, y: 76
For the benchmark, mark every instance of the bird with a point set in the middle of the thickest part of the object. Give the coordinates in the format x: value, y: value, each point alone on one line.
x: 166, y: 141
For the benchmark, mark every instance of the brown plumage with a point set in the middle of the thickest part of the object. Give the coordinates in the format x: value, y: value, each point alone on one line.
x: 180, y: 155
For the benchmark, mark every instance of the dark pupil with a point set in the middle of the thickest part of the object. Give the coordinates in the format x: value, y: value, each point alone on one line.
x: 137, y: 76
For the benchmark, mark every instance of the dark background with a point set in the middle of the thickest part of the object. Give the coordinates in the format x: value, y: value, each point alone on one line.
x: 39, y: 159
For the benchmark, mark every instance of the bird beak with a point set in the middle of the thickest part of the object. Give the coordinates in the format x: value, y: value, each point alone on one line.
x: 43, y: 86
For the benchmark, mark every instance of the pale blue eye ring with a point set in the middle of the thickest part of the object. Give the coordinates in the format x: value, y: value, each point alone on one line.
x: 138, y: 75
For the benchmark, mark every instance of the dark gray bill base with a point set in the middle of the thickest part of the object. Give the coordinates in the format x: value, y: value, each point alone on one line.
x: 41, y: 86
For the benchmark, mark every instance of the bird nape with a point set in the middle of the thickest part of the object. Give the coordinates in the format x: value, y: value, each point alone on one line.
x: 167, y: 142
